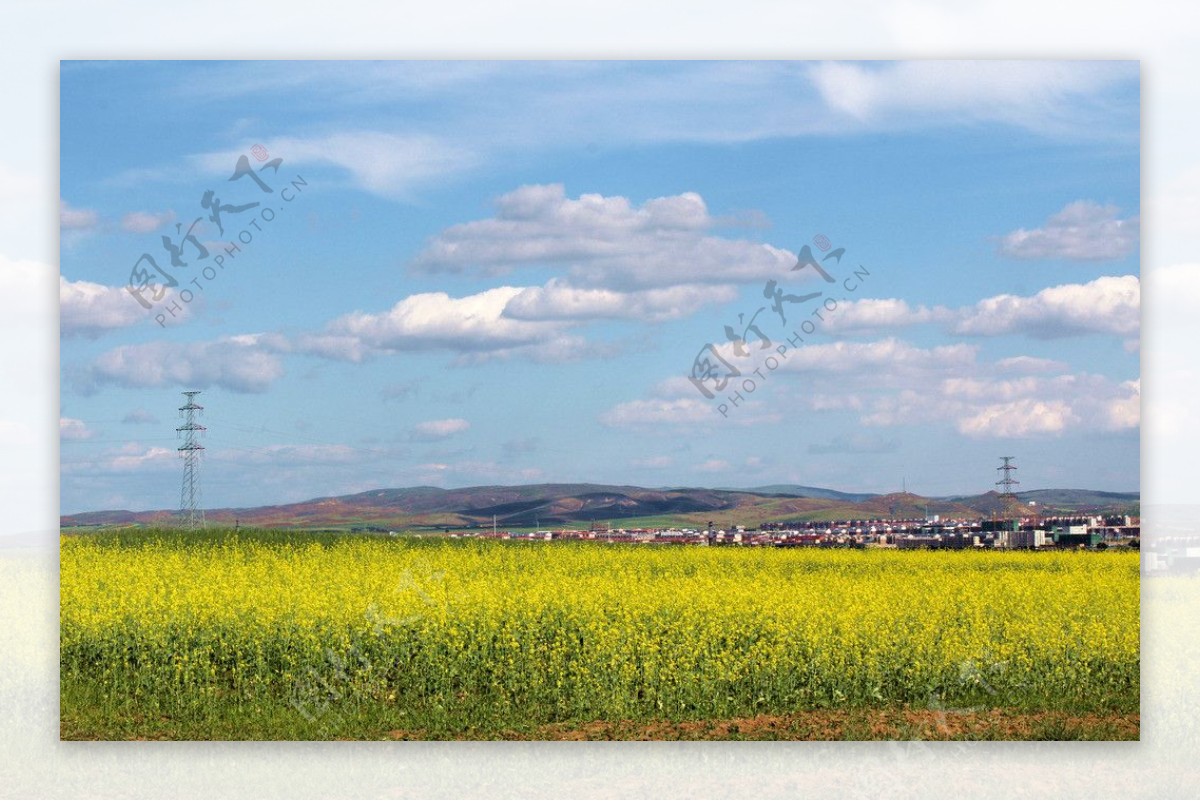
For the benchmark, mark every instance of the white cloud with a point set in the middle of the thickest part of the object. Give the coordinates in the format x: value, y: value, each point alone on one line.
x: 339, y: 347
x: 499, y: 107
x: 679, y: 404
x: 247, y: 363
x: 432, y: 430
x: 658, y: 411
x: 436, y: 320
x: 891, y: 383
x: 89, y: 309
x: 1108, y: 305
x: 1126, y: 411
x: 884, y: 358
x: 974, y: 388
x: 143, y: 222
x: 1030, y: 364
x: 829, y: 402
x: 73, y: 219
x: 388, y: 164
x: 71, y: 428
x: 603, y: 242
x: 980, y: 405
x: 1018, y: 418
x: 561, y: 349
x: 878, y: 315
x: 558, y: 300
x: 1082, y: 231
x: 130, y: 457
x: 1050, y: 97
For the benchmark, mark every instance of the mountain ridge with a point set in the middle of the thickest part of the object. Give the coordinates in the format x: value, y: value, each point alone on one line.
x: 563, y: 504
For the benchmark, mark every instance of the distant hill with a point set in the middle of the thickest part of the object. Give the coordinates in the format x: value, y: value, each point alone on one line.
x: 552, y: 505
x: 1053, y: 501
x: 1079, y: 497
x: 801, y: 491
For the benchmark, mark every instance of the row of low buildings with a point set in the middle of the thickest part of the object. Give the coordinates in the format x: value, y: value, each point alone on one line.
x: 931, y: 533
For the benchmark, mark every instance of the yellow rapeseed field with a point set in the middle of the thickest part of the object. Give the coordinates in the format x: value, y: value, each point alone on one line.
x: 465, y: 635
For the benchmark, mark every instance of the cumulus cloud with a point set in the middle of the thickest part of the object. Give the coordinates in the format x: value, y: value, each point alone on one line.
x: 889, y: 383
x: 980, y: 388
x: 886, y: 357
x: 88, y: 309
x: 603, y: 242
x: 73, y: 219
x: 246, y: 363
x: 1030, y: 364
x: 432, y: 320
x: 1082, y: 231
x: 73, y: 429
x: 1125, y: 410
x: 143, y: 222
x: 875, y: 315
x: 432, y: 430
x: 1108, y: 305
x: 983, y: 406
x: 476, y: 328
x: 558, y: 300
x: 1018, y: 418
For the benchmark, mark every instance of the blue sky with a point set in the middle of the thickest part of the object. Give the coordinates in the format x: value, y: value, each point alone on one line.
x: 502, y: 272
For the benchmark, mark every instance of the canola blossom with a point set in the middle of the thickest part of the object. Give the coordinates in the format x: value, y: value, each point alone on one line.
x: 494, y: 633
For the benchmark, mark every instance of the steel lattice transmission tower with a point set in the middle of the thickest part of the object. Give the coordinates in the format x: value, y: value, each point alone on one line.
x: 191, y: 514
x: 1008, y: 482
